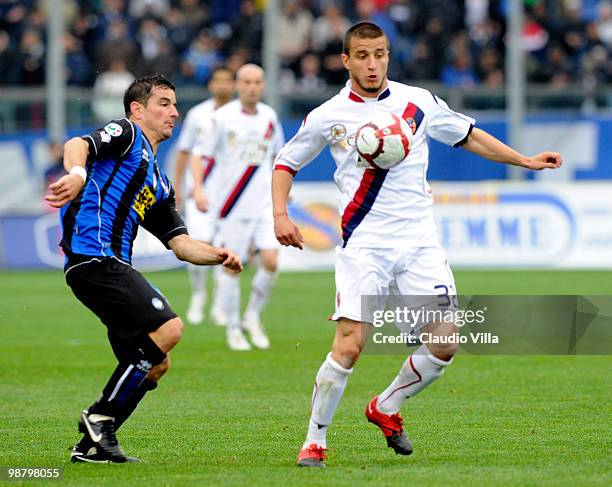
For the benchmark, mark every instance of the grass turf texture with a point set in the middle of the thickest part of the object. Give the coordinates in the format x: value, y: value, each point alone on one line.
x: 223, y: 417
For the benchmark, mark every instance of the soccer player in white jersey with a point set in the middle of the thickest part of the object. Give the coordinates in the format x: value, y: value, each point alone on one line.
x: 245, y: 138
x: 390, y: 244
x: 200, y: 223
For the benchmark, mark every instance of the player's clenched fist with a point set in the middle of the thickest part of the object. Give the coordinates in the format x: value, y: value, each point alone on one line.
x: 287, y: 232
x: 229, y: 260
x: 64, y: 190
x: 544, y: 160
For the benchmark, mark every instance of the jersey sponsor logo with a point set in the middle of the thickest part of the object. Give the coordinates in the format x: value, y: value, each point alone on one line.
x: 338, y: 135
x: 113, y: 129
x: 145, y: 200
x: 254, y: 152
x: 345, y: 142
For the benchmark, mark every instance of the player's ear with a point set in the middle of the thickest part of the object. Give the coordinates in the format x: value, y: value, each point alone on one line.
x: 136, y: 109
x: 345, y: 60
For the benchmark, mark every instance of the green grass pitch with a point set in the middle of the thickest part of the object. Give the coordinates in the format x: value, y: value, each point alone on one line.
x: 227, y: 418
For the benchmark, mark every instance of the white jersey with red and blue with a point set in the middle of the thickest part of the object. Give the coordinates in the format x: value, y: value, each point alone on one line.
x: 243, y: 146
x: 379, y: 208
x: 197, y: 124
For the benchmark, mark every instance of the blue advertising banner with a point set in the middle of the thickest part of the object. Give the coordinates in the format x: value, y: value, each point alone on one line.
x: 484, y: 224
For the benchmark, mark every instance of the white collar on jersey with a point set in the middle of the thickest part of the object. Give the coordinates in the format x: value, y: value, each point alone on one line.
x: 246, y: 112
x: 361, y: 99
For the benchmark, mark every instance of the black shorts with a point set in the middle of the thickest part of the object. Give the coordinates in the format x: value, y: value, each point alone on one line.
x: 120, y: 296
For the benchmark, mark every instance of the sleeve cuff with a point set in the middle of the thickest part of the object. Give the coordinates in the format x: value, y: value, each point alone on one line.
x: 464, y: 140
x: 282, y: 167
x: 93, y: 150
x: 182, y: 230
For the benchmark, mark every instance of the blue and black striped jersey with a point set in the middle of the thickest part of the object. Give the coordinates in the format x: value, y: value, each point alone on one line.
x: 124, y: 188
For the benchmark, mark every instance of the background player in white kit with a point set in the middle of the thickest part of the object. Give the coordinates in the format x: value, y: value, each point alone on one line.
x: 200, y: 223
x: 245, y: 138
x: 390, y: 243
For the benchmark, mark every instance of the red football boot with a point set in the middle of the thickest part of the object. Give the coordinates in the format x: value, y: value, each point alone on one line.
x: 391, y: 426
x: 312, y: 456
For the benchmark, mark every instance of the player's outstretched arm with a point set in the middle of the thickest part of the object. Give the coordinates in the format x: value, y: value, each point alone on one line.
x: 67, y: 187
x: 485, y: 145
x: 200, y: 253
x: 287, y: 232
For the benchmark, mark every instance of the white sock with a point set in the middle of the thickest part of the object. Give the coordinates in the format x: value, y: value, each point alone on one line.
x: 420, y: 370
x: 197, y: 279
x: 228, y: 290
x: 329, y: 387
x: 260, y: 290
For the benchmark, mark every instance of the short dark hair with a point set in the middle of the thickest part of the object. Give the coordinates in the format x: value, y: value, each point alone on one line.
x: 141, y: 88
x: 362, y: 30
x: 220, y: 68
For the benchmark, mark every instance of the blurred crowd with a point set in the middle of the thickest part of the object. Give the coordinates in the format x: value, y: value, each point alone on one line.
x: 456, y: 42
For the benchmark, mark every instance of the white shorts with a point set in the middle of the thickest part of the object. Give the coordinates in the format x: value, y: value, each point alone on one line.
x: 240, y: 235
x: 200, y: 224
x: 380, y: 273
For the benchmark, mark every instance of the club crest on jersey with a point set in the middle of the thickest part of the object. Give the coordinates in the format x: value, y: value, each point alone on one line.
x: 231, y: 138
x: 338, y: 132
x: 113, y: 129
x: 145, y: 200
x: 412, y: 124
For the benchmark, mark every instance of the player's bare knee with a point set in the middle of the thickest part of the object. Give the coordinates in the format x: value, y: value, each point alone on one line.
x: 347, y: 350
x: 175, y: 331
x: 346, y: 356
x: 444, y: 351
x: 349, y: 341
x: 270, y: 266
x: 446, y: 343
x: 168, y: 334
x: 269, y: 260
x: 446, y: 348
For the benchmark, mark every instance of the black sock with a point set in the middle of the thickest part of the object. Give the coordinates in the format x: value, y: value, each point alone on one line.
x: 146, y: 386
x: 126, y: 381
x: 123, y: 383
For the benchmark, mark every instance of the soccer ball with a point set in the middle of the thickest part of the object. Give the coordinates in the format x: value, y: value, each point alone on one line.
x: 384, y: 141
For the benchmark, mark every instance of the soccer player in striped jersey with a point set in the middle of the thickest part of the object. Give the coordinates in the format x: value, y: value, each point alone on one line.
x: 390, y: 246
x: 114, y: 186
x: 245, y: 137
x: 199, y: 221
